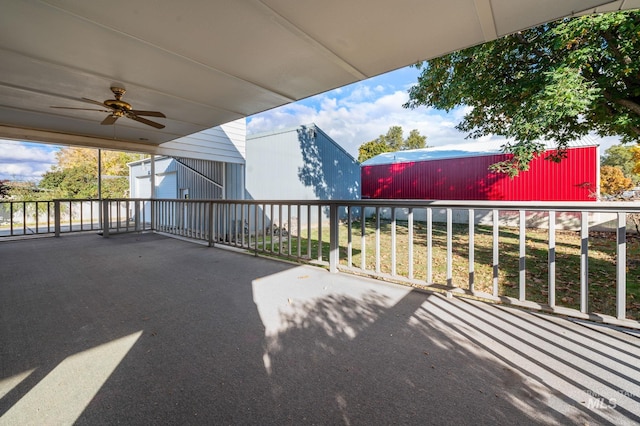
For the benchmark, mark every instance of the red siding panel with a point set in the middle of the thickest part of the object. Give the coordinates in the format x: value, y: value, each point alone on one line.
x: 469, y: 178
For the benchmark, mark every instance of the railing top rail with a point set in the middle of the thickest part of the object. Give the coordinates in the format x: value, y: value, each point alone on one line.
x: 565, y: 206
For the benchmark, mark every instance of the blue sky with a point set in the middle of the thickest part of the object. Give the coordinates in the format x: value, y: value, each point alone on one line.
x: 351, y: 115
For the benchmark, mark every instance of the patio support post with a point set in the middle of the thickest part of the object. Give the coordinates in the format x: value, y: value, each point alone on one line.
x: 152, y: 191
x: 56, y: 212
x: 334, y: 255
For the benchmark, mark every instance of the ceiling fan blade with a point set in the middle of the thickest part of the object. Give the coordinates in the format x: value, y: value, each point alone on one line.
x: 145, y: 121
x: 82, y: 109
x: 109, y: 120
x: 148, y: 113
x: 91, y: 101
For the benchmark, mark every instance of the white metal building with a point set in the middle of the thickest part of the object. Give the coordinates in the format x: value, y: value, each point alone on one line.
x: 300, y: 163
x: 221, y: 175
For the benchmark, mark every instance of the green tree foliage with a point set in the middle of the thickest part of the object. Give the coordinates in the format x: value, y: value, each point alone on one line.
x: 76, y: 174
x: 613, y: 181
x: 636, y: 158
x: 391, y: 142
x: 4, y: 188
x: 622, y: 157
x: 559, y: 81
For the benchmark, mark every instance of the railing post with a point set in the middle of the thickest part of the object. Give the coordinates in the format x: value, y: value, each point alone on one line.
x: 137, y: 211
x: 552, y: 259
x: 105, y: 218
x: 56, y: 217
x: 211, y: 222
x: 152, y: 212
x: 621, y: 266
x: 334, y: 246
x: 584, y: 262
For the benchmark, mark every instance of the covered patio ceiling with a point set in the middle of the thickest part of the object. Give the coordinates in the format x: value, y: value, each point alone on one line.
x: 205, y: 63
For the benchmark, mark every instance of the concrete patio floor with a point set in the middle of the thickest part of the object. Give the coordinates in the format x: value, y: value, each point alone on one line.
x: 144, y: 329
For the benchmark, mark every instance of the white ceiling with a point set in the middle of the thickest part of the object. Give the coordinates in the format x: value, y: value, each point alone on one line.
x: 207, y: 62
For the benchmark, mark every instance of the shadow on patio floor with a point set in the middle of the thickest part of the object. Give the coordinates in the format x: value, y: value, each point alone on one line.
x: 143, y: 329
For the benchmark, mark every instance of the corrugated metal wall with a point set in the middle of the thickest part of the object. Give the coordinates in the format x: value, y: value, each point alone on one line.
x: 204, y: 179
x: 573, y: 179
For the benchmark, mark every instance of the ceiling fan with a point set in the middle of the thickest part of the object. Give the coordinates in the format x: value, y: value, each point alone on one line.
x: 118, y: 108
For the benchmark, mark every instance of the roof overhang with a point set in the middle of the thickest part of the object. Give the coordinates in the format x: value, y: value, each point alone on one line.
x: 204, y: 63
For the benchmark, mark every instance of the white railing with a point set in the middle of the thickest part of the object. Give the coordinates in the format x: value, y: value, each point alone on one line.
x: 567, y: 258
x: 577, y: 259
x: 60, y: 216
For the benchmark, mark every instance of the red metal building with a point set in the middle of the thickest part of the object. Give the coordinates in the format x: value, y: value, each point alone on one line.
x: 467, y: 177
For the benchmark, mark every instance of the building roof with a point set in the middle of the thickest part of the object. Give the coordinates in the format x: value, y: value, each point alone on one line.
x: 463, y: 150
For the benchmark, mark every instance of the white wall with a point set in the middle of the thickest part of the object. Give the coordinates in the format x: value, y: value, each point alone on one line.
x: 225, y: 143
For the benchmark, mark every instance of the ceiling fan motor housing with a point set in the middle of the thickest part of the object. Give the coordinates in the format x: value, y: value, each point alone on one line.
x: 117, y: 104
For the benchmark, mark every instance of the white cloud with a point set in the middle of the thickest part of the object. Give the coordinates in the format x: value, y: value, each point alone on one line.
x: 361, y: 112
x: 25, y: 161
x: 360, y: 115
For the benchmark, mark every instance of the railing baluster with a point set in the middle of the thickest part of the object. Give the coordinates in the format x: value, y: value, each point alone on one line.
x: 319, y: 233
x: 377, y: 240
x: 289, y: 229
x: 621, y: 266
x: 552, y: 259
x: 449, y: 247
x: 471, y: 250
x: 584, y: 262
x: 429, y: 245
x: 334, y: 243
x: 410, y: 243
x: 309, y: 231
x: 496, y: 251
x: 349, y: 242
x: 393, y: 241
x: 522, y: 271
x: 298, y: 233
x: 363, y: 239
x: 280, y: 228
x: 272, y: 225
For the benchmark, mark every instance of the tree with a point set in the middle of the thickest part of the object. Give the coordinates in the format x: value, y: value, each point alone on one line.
x: 76, y: 174
x: 4, y: 188
x: 613, y: 181
x: 623, y: 158
x: 415, y: 140
x: 371, y: 149
x: 636, y: 158
x: 391, y: 142
x: 559, y: 81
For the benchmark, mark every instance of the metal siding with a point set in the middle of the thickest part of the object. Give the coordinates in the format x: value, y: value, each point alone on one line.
x: 234, y: 181
x: 166, y: 186
x: 573, y: 179
x: 302, y: 163
x: 199, y: 187
x: 224, y: 143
